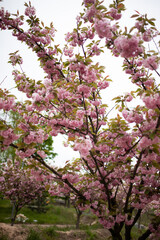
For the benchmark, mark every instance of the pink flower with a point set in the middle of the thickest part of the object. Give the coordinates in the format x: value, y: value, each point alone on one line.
x: 2, y: 179
x: 103, y: 28
x: 151, y: 62
x: 84, y: 89
x: 144, y: 143
x: 147, y: 35
x: 129, y: 97
x: 80, y: 114
x: 91, y: 13
x: 114, y: 13
x: 30, y: 11
x: 86, y: 2
x: 41, y: 154
x: 151, y: 101
x: 127, y: 47
x: 16, y: 59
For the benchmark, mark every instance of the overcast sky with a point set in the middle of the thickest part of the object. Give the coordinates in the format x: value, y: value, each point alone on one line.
x: 63, y: 13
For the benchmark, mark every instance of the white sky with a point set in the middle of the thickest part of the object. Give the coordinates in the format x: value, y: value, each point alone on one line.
x: 63, y: 13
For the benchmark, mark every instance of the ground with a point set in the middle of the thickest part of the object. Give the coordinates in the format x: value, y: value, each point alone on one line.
x: 20, y: 232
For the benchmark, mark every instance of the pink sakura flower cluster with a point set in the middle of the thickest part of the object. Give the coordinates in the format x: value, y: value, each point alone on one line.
x: 147, y: 35
x: 90, y: 75
x: 128, y: 97
x: 148, y: 125
x: 51, y: 68
x: 114, y: 14
x: 103, y: 84
x: 103, y: 28
x: 151, y: 62
x: 68, y: 52
x: 83, y: 146
x: 151, y: 101
x: 26, y: 153
x: 80, y: 114
x: 132, y: 116
x: 42, y: 154
x: 75, y: 39
x: 145, y: 142
x: 95, y: 50
x: 84, y: 89
x: 6, y: 21
x: 9, y: 136
x: 35, y: 137
x: 16, y: 59
x: 86, y: 2
x: 7, y: 103
x: 63, y: 93
x: 72, y: 178
x: 90, y: 14
x: 41, y: 35
x: 127, y: 47
x: 30, y: 11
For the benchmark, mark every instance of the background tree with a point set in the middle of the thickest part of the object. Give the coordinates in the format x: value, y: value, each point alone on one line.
x: 21, y: 186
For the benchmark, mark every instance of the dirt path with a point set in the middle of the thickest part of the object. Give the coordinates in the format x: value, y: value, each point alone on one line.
x: 20, y: 232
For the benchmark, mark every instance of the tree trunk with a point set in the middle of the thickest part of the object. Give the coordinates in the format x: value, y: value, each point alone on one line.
x: 14, y: 214
x: 128, y: 233
x: 145, y: 235
x: 79, y: 213
x: 115, y: 234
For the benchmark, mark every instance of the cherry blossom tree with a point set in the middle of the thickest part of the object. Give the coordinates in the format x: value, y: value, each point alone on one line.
x: 120, y: 156
x: 20, y: 185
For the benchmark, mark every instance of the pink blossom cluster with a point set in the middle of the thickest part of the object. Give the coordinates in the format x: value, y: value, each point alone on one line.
x: 25, y: 153
x: 103, y: 84
x: 68, y: 52
x: 35, y: 137
x: 72, y: 178
x: 16, y: 59
x: 103, y: 28
x: 151, y: 62
x: 114, y: 14
x: 83, y: 146
x: 8, y: 136
x: 145, y: 142
x: 75, y: 39
x: 7, y: 103
x: 95, y: 50
x: 151, y: 101
x: 132, y: 116
x: 42, y: 35
x: 84, y: 89
x: 30, y: 11
x: 86, y: 2
x: 127, y: 47
x: 90, y: 75
x: 91, y: 13
x: 147, y: 35
x: 42, y: 154
x: 6, y: 21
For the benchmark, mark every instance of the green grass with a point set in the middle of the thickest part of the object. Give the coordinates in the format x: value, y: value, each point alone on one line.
x: 42, y: 234
x: 54, y: 214
x: 5, y: 210
x: 90, y: 235
x: 33, y: 235
x: 3, y: 237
